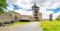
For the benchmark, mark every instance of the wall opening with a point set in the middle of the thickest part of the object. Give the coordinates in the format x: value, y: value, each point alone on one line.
x: 24, y: 20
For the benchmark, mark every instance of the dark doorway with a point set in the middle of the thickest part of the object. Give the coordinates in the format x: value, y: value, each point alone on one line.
x: 24, y: 20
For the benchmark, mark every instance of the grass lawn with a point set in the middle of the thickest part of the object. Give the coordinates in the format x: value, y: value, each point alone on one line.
x: 50, y: 25
x: 20, y: 23
x: 17, y: 24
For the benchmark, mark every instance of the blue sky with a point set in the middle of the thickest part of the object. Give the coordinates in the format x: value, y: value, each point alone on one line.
x: 56, y: 10
x: 46, y: 7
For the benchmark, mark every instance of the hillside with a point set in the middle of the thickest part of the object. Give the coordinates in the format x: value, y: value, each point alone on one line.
x: 58, y: 18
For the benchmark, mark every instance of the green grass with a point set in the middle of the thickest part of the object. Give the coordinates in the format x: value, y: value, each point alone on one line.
x: 20, y: 23
x: 50, y: 25
x: 17, y: 24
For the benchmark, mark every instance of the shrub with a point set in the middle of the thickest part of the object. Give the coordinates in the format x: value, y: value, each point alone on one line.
x: 58, y: 19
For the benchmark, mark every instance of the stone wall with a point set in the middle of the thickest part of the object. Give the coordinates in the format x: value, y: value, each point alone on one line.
x: 17, y: 16
x: 26, y: 17
x: 40, y: 16
x: 6, y: 18
x: 9, y: 17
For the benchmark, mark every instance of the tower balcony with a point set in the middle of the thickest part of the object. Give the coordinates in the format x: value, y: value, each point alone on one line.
x: 35, y: 8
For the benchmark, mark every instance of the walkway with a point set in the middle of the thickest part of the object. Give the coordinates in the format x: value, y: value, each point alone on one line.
x: 34, y: 26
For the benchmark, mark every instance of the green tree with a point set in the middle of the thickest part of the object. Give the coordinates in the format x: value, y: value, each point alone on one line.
x: 2, y: 5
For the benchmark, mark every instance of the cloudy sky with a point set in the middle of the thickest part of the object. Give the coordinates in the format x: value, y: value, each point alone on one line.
x: 46, y: 7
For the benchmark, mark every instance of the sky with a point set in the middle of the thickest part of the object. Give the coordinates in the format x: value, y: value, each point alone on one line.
x: 46, y: 7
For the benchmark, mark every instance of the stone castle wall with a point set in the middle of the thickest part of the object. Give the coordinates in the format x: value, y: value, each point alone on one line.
x: 26, y: 17
x: 6, y: 18
x: 17, y: 17
x: 9, y: 18
x: 40, y: 16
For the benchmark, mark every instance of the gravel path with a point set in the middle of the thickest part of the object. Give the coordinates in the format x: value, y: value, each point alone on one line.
x: 34, y: 26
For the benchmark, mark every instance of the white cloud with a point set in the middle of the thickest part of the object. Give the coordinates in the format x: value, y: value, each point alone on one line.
x: 25, y: 4
x: 55, y: 5
x: 43, y: 4
x: 11, y: 1
x: 23, y: 12
x: 10, y: 7
x: 55, y: 15
x: 46, y: 14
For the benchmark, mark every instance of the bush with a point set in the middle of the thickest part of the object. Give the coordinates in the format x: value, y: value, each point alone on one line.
x: 58, y: 19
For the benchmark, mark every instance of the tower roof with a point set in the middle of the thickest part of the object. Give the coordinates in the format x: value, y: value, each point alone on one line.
x: 35, y: 5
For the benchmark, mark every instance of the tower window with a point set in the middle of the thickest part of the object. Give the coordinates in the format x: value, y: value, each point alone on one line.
x: 36, y: 17
x: 36, y: 11
x: 35, y: 14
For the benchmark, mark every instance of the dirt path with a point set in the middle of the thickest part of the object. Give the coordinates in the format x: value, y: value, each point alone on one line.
x: 29, y: 27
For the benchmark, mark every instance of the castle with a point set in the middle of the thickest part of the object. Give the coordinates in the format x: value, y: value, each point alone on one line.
x: 36, y: 16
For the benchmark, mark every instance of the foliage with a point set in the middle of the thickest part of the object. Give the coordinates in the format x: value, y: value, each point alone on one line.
x: 50, y: 25
x: 1, y: 11
x: 2, y: 5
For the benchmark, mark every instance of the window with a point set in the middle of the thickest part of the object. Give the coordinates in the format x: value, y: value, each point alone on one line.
x: 35, y: 14
x: 36, y: 17
x: 36, y: 11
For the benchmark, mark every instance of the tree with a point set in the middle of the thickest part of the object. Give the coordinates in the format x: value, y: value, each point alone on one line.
x: 2, y: 5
